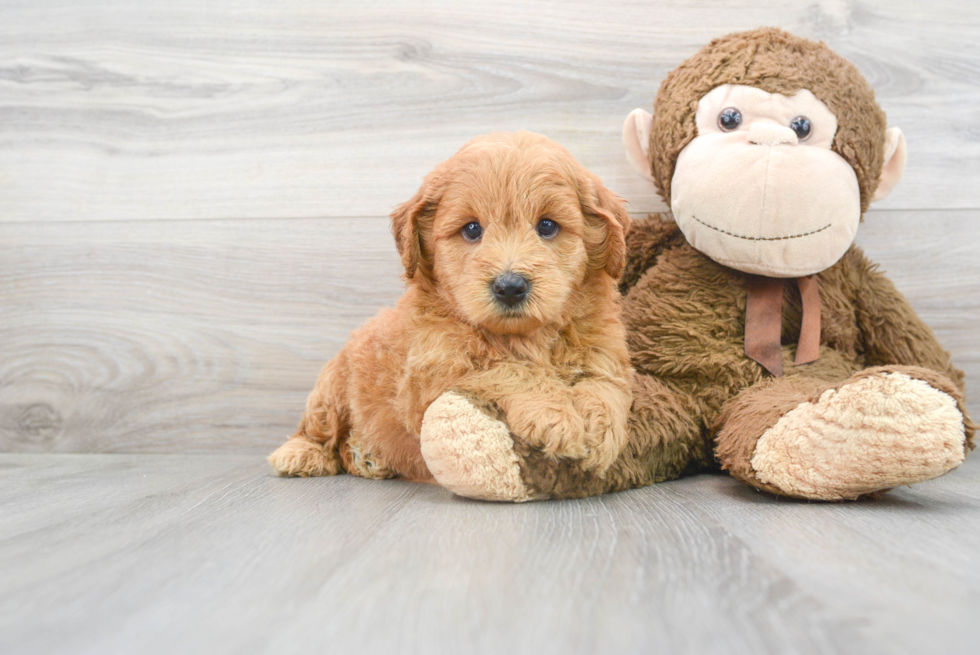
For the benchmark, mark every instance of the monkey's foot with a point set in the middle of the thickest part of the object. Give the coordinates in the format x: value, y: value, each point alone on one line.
x: 303, y: 458
x: 470, y: 452
x: 874, y: 433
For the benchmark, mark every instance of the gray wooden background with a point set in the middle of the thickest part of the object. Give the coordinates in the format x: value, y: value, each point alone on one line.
x: 194, y: 196
x: 193, y: 216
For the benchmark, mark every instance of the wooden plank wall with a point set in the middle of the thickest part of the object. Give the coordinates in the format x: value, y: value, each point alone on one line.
x: 193, y: 196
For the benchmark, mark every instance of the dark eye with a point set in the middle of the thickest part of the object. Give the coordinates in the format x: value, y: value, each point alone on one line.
x: 729, y: 119
x: 801, y: 125
x: 472, y: 231
x: 547, y: 228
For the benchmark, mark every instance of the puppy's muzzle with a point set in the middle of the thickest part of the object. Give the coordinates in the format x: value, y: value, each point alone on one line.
x: 510, y: 289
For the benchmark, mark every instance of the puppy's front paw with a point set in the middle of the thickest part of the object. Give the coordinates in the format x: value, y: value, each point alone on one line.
x: 555, y: 429
x: 605, y: 429
x: 605, y: 441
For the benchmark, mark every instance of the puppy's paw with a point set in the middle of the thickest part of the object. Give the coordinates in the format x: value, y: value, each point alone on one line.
x: 555, y: 429
x: 470, y: 452
x: 605, y: 431
x: 605, y: 443
x: 302, y: 458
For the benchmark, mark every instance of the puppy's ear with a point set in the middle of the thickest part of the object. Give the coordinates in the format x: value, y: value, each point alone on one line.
x: 412, y: 219
x: 606, y: 222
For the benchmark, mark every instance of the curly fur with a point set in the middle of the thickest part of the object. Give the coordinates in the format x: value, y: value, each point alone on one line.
x: 557, y: 366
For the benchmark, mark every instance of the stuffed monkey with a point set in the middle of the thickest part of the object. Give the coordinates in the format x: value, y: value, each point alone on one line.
x: 763, y: 340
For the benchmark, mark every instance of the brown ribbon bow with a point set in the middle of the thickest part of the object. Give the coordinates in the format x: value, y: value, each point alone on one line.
x: 764, y: 320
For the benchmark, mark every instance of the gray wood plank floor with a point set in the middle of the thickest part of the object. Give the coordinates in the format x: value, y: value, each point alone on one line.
x: 192, y: 219
x: 202, y: 554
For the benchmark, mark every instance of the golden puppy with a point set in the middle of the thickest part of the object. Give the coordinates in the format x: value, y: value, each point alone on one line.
x: 511, y: 252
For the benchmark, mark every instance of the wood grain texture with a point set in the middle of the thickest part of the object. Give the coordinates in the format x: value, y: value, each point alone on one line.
x: 164, y: 554
x: 192, y: 220
x: 232, y: 109
x: 160, y: 336
x: 206, y: 336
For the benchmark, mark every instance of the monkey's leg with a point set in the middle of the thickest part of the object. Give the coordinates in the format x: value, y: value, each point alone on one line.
x: 874, y: 430
x: 315, y: 448
x: 469, y: 448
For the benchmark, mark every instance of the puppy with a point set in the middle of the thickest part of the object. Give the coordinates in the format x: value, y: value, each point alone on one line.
x: 511, y: 252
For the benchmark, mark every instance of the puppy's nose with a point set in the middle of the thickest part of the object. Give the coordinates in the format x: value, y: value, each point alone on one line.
x: 509, y: 288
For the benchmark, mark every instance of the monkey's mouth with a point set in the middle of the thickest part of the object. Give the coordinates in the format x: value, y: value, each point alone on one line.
x: 740, y: 236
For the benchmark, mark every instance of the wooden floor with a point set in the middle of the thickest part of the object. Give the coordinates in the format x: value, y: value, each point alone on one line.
x: 193, y: 217
x: 211, y: 554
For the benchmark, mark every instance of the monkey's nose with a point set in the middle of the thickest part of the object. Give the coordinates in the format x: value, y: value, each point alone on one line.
x: 509, y: 288
x: 771, y: 134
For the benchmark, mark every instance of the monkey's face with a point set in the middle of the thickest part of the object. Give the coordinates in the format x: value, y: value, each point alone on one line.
x: 759, y: 189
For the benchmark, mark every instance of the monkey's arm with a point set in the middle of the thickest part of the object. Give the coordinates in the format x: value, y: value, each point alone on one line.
x: 891, y: 331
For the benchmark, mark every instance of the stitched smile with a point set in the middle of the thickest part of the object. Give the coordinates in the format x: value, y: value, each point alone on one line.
x: 739, y: 236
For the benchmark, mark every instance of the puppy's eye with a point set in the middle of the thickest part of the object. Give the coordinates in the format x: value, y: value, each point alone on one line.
x: 729, y: 119
x: 472, y: 231
x: 547, y: 228
x: 801, y: 125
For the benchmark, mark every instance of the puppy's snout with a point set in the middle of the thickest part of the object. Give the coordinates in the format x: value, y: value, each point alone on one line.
x: 509, y: 288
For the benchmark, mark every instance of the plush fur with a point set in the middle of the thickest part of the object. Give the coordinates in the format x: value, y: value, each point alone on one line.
x: 700, y: 404
x: 776, y: 62
x: 881, y: 406
x: 556, y: 364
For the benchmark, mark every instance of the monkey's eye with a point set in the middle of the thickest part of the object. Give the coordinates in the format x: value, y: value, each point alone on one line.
x: 801, y: 125
x: 472, y: 231
x: 729, y: 119
x: 547, y: 228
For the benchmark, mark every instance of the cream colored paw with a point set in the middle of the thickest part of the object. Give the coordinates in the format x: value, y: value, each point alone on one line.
x: 875, y: 433
x: 469, y: 452
x: 303, y: 458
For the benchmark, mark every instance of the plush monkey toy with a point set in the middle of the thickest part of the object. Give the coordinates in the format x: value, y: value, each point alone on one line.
x: 763, y: 340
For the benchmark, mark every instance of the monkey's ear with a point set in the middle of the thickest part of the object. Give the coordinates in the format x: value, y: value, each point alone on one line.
x: 603, y: 206
x: 891, y: 172
x: 636, y: 139
x: 407, y: 219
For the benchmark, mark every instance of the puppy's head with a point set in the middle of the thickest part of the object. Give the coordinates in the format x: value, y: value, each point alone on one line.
x: 509, y: 230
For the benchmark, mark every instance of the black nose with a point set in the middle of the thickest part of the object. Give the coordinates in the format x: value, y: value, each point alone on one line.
x: 509, y: 288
